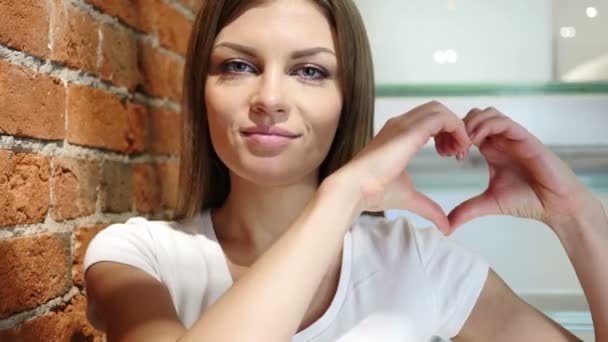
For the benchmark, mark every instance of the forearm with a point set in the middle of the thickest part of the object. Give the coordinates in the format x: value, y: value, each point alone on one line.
x: 269, y: 301
x: 585, y: 240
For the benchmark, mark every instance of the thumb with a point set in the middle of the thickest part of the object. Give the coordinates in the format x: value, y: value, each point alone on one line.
x: 430, y: 210
x: 480, y: 205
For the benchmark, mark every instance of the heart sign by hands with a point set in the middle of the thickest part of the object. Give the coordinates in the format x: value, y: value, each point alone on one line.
x: 526, y: 178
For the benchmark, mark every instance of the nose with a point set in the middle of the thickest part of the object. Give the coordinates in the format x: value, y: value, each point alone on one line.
x: 269, y: 97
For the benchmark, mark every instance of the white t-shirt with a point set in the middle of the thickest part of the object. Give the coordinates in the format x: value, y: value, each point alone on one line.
x: 397, y: 283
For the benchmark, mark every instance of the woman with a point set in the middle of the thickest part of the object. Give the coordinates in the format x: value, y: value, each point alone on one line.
x: 269, y: 243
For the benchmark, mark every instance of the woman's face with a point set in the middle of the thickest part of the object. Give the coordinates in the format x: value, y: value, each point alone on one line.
x: 274, y: 67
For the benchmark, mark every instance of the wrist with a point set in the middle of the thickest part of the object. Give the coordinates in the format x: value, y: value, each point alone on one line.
x: 341, y: 186
x: 589, y: 222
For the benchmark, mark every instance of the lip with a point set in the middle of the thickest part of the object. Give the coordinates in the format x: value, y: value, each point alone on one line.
x: 268, y: 138
x: 269, y: 130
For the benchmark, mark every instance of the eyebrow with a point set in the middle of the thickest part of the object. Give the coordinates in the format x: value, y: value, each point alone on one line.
x: 296, y: 54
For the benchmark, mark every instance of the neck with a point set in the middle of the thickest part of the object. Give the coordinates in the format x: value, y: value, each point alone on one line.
x: 256, y: 215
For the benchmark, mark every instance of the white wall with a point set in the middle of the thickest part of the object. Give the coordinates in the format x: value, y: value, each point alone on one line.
x: 590, y: 42
x: 496, y: 41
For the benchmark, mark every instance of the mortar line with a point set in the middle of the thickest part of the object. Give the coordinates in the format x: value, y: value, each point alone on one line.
x: 78, y: 77
x: 18, y: 319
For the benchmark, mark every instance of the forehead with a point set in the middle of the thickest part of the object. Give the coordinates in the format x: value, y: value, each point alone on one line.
x: 289, y: 22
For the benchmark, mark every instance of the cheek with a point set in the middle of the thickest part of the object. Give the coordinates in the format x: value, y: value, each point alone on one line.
x: 327, y: 119
x: 219, y: 121
x: 224, y: 102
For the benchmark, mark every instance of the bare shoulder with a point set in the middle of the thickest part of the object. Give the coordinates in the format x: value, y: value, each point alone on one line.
x: 500, y: 315
x: 132, y: 305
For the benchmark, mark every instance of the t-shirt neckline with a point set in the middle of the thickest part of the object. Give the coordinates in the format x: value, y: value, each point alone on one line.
x: 318, y: 326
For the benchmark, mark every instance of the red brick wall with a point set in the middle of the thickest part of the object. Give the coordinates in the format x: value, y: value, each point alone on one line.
x: 89, y: 136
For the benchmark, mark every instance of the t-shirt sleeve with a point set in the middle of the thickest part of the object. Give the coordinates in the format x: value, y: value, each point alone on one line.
x: 128, y: 243
x: 456, y: 275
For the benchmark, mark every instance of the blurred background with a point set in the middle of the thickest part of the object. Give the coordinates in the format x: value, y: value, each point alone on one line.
x: 90, y: 109
x: 544, y: 63
x: 469, y: 41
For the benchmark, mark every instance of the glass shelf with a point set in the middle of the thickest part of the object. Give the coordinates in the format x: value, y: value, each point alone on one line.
x: 491, y: 89
x: 432, y: 173
x: 453, y: 181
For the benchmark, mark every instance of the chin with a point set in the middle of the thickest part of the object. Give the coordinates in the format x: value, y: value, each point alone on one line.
x: 273, y: 171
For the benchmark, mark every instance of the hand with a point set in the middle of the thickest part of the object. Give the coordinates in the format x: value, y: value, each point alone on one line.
x: 526, y: 178
x: 379, y: 173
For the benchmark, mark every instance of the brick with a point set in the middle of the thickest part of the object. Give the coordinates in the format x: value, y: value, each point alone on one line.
x: 65, y: 323
x: 169, y: 176
x: 155, y: 186
x: 162, y: 74
x: 147, y: 188
x: 164, y: 131
x: 34, y: 270
x: 31, y: 105
x: 82, y: 239
x: 75, y: 37
x: 75, y: 184
x: 139, y: 14
x: 24, y: 25
x: 124, y: 10
x: 24, y: 188
x: 173, y: 29
x: 116, y: 194
x: 100, y: 119
x: 147, y: 15
x: 119, y: 50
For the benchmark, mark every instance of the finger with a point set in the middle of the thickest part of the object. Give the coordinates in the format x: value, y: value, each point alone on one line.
x: 421, y: 130
x: 459, y: 140
x: 497, y: 125
x: 473, y: 112
x: 442, y: 141
x: 443, y: 120
x: 430, y: 120
x: 453, y: 147
x: 439, y: 144
x: 430, y: 210
x: 470, y: 115
x: 480, y: 205
x: 475, y: 119
x: 447, y: 145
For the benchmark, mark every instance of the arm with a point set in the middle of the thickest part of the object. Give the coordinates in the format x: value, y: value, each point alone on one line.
x: 262, y: 301
x: 528, y: 180
x: 585, y: 240
x: 499, y: 315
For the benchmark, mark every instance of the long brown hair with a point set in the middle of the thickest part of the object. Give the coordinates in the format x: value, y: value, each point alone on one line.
x: 203, y: 178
